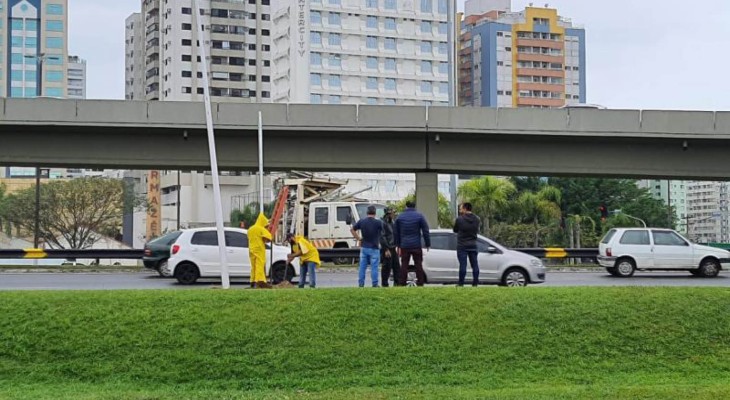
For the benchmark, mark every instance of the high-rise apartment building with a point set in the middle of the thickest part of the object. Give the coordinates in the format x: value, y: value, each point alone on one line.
x: 673, y: 193
x: 76, y: 78
x: 531, y: 58
x: 707, y: 211
x: 33, y: 48
x: 163, y: 41
x: 134, y: 58
x: 360, y: 52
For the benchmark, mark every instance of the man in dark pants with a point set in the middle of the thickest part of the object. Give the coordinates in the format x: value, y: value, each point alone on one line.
x: 410, y: 227
x: 467, y: 227
x: 388, y: 252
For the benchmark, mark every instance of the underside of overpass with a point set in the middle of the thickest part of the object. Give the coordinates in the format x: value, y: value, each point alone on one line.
x: 425, y: 141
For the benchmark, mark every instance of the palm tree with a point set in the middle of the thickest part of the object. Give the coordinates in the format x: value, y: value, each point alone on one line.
x: 542, y: 206
x: 488, y: 195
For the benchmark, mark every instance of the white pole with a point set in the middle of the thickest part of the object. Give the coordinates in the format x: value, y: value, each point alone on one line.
x: 261, y: 162
x: 225, y: 281
x: 451, y: 38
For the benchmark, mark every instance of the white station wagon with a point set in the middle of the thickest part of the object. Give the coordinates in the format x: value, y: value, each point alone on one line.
x: 622, y: 251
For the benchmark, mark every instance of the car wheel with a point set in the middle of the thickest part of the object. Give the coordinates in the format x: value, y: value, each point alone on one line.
x: 515, y: 277
x: 612, y: 271
x: 187, y: 273
x: 625, y: 268
x: 709, y: 268
x: 282, y: 272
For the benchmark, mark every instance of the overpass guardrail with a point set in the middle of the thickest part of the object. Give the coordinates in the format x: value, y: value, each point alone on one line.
x: 137, y: 254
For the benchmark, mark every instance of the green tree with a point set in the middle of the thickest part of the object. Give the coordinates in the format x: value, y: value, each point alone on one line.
x: 73, y: 214
x: 541, y: 208
x: 250, y: 213
x: 445, y: 216
x: 489, y: 197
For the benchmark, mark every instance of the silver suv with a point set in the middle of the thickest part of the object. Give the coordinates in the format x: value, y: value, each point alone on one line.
x: 622, y: 251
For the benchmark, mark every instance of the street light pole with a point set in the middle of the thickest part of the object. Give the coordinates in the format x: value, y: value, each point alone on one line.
x: 39, y: 93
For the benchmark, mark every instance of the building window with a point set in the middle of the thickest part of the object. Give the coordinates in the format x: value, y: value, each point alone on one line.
x: 426, y: 48
x: 315, y: 79
x: 443, y: 48
x: 315, y: 17
x: 443, y: 88
x: 372, y: 83
x: 335, y: 100
x: 426, y: 67
x: 54, y: 76
x: 335, y: 39
x: 426, y: 27
x: 390, y: 64
x: 54, y: 92
x: 371, y: 101
x: 187, y: 57
x: 390, y: 4
x: 31, y: 25
x: 443, y: 28
x: 390, y: 24
x: 186, y: 42
x: 371, y: 63
x: 390, y: 102
x: 335, y: 2
x: 16, y: 75
x: 371, y: 3
x: 54, y: 43
x: 443, y: 7
x: 390, y: 44
x: 372, y: 22
x: 315, y: 98
x: 54, y: 26
x: 426, y: 87
x: 315, y: 59
x: 335, y: 81
x: 187, y: 74
x: 335, y: 19
x: 390, y: 84
x: 16, y: 41
x: 187, y: 27
x: 315, y: 38
x: 427, y: 6
x: 54, y: 9
x: 443, y: 68
x: 335, y: 61
x: 187, y: 10
x: 371, y: 42
x: 31, y: 76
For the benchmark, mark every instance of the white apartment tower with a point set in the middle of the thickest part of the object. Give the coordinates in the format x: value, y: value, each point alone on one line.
x: 707, y: 211
x: 360, y: 52
x: 134, y: 57
x: 237, y: 40
x: 76, y: 78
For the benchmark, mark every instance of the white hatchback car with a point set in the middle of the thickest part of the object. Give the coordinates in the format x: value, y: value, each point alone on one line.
x: 497, y: 264
x: 195, y: 255
x: 622, y: 251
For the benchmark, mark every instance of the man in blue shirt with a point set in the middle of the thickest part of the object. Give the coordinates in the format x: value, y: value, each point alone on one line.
x: 371, y: 229
x: 410, y: 227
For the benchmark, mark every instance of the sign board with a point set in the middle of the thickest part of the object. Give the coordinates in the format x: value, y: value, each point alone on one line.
x: 154, y: 210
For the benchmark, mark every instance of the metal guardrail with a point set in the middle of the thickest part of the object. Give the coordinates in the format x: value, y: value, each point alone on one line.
x: 135, y: 254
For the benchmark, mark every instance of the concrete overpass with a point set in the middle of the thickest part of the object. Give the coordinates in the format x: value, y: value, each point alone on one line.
x: 169, y: 135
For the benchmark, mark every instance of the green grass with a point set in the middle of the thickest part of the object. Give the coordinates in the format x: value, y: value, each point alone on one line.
x: 406, y: 343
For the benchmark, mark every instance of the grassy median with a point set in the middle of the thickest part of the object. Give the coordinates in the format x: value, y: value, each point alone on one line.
x: 408, y: 343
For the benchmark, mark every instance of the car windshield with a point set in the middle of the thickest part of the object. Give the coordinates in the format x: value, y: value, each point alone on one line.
x: 168, y: 238
x: 362, y: 209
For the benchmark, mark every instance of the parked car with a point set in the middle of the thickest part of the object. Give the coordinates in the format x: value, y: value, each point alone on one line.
x: 195, y: 255
x: 497, y: 264
x: 157, y: 250
x: 623, y: 251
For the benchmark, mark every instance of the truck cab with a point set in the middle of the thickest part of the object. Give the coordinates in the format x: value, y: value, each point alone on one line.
x: 329, y: 220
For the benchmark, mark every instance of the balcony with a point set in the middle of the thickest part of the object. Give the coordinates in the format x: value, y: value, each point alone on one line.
x: 540, y: 102
x: 555, y: 73
x: 550, y: 44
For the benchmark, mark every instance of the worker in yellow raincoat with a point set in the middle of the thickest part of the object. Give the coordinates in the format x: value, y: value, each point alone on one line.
x: 258, y: 235
x: 309, y: 256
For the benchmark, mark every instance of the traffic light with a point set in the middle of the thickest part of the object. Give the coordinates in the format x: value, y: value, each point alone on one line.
x: 604, y: 212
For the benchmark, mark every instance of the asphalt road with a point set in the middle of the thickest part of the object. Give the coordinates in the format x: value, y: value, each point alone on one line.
x: 115, y: 281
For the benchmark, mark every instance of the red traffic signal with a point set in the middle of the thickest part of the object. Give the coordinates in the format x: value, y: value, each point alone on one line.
x: 604, y: 212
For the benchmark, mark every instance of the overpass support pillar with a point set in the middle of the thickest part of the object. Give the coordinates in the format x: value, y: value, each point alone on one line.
x: 427, y: 196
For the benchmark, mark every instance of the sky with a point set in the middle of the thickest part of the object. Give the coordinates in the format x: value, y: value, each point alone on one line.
x: 647, y: 54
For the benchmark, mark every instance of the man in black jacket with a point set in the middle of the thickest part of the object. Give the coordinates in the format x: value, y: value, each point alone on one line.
x: 388, y: 253
x: 467, y: 228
